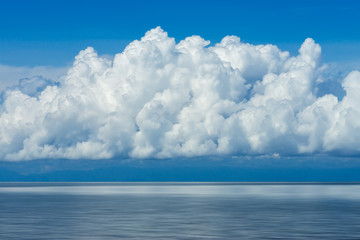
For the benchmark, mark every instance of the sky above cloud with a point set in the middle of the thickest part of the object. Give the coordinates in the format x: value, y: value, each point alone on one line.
x: 40, y: 32
x: 161, y: 98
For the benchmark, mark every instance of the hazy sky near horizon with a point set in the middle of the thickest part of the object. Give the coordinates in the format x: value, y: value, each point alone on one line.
x: 160, y: 79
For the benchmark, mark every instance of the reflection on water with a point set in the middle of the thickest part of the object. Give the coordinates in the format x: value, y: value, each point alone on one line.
x: 179, y: 211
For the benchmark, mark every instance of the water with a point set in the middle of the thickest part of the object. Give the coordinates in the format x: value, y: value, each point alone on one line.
x: 179, y: 211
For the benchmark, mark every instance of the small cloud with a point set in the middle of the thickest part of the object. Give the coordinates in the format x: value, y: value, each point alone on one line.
x: 33, y: 86
x: 10, y: 75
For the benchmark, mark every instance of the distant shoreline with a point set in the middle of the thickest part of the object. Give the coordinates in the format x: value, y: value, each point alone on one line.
x: 188, y: 183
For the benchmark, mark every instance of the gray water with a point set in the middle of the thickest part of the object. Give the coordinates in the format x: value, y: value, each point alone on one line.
x: 179, y: 211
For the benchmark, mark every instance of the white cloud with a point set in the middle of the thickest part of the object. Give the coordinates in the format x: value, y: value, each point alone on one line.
x: 162, y: 99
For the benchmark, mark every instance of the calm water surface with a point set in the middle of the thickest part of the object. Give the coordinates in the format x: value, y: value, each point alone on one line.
x: 179, y: 211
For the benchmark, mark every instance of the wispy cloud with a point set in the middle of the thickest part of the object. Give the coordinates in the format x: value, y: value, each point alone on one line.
x: 161, y: 99
x: 10, y: 75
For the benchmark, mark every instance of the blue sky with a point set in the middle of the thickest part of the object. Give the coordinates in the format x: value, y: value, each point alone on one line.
x: 84, y: 80
x: 52, y: 32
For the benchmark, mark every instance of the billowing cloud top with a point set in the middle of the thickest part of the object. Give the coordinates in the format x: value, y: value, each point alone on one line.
x: 161, y: 99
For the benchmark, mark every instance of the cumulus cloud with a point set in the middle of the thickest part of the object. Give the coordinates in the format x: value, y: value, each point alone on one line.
x: 160, y: 99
